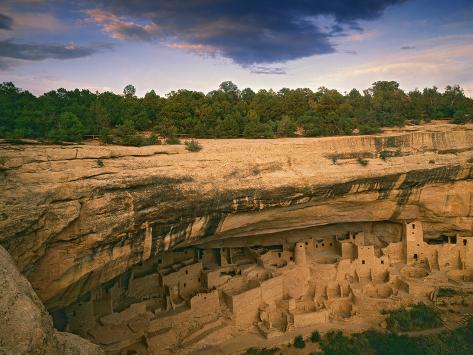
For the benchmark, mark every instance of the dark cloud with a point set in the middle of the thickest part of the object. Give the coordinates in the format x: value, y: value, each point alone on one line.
x: 11, y: 51
x: 257, y: 69
x: 350, y: 51
x: 6, y: 22
x: 406, y: 48
x: 250, y: 31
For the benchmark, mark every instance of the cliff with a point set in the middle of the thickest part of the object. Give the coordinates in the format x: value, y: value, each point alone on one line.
x: 76, y: 216
x: 25, y: 325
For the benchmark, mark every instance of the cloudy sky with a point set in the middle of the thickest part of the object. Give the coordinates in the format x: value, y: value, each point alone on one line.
x: 196, y: 44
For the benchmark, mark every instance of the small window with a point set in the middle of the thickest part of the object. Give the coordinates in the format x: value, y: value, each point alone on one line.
x: 331, y: 244
x: 464, y: 241
x: 316, y: 245
x: 382, y: 262
x: 413, y: 226
x: 184, y: 284
x: 323, y: 244
x: 418, y: 245
x: 187, y: 272
x: 363, y: 262
x: 300, y: 245
x: 291, y: 258
x: 415, y: 256
x: 279, y: 254
x: 198, y: 279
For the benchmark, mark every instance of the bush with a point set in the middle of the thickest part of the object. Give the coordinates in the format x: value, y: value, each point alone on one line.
x: 100, y: 163
x: 418, y: 317
x: 460, y: 117
x: 133, y: 140
x: 338, y: 344
x: 3, y: 168
x: 384, y: 154
x: 172, y: 140
x: 362, y: 161
x: 153, y: 139
x: 315, y: 336
x: 193, y: 146
x: 263, y: 351
x: 299, y: 342
x: 446, y: 292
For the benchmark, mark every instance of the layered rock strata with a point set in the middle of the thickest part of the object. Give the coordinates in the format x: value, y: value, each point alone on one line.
x: 74, y: 217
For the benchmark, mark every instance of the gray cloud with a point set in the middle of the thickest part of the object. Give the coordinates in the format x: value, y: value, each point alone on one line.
x: 406, y: 48
x: 11, y: 51
x: 267, y: 70
x: 247, y: 31
x: 6, y: 22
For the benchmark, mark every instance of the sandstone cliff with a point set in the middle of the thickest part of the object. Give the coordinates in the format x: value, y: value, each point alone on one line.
x: 25, y: 325
x: 74, y: 217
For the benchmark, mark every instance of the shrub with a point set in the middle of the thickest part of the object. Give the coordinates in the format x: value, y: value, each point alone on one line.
x: 133, y: 140
x: 100, y: 163
x: 153, y: 139
x: 418, y: 317
x: 263, y: 351
x: 362, y: 161
x: 315, y: 336
x: 446, y: 292
x: 172, y: 140
x: 3, y: 168
x: 299, y: 342
x: 384, y: 154
x: 338, y: 344
x: 193, y: 145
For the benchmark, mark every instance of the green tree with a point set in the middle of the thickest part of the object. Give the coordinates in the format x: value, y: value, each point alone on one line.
x: 129, y: 91
x: 286, y: 127
x: 67, y: 128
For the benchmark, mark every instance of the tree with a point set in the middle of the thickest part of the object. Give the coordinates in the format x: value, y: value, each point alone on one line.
x: 286, y: 127
x: 228, y: 127
x: 256, y: 129
x: 67, y: 128
x: 230, y: 88
x: 299, y: 342
x: 129, y: 91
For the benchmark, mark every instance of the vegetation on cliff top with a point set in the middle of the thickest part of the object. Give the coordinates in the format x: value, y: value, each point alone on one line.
x: 458, y: 341
x: 228, y: 112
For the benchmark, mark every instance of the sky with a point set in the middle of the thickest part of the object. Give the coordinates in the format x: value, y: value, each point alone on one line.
x: 166, y: 45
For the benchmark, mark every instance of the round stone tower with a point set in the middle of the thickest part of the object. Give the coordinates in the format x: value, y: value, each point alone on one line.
x: 299, y: 254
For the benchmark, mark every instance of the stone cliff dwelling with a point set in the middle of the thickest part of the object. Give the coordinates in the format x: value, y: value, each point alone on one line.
x: 203, y: 293
x: 160, y: 251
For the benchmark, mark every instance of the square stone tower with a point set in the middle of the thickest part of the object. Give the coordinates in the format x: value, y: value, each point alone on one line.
x: 413, y: 242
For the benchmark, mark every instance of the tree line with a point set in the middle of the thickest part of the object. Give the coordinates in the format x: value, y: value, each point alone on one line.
x: 228, y: 112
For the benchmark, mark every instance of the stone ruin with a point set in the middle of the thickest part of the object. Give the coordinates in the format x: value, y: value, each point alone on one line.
x: 203, y: 294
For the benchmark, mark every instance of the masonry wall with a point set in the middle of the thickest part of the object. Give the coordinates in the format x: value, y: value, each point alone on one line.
x: 272, y: 291
x: 205, y: 303
x: 306, y: 319
x: 246, y: 307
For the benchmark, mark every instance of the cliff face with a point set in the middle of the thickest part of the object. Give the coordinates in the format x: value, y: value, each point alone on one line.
x: 25, y: 325
x: 74, y: 217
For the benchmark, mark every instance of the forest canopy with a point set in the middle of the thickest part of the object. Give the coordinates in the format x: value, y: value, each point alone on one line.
x: 228, y: 112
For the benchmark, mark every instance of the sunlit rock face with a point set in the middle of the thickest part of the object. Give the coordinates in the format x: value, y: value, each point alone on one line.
x: 72, y: 224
